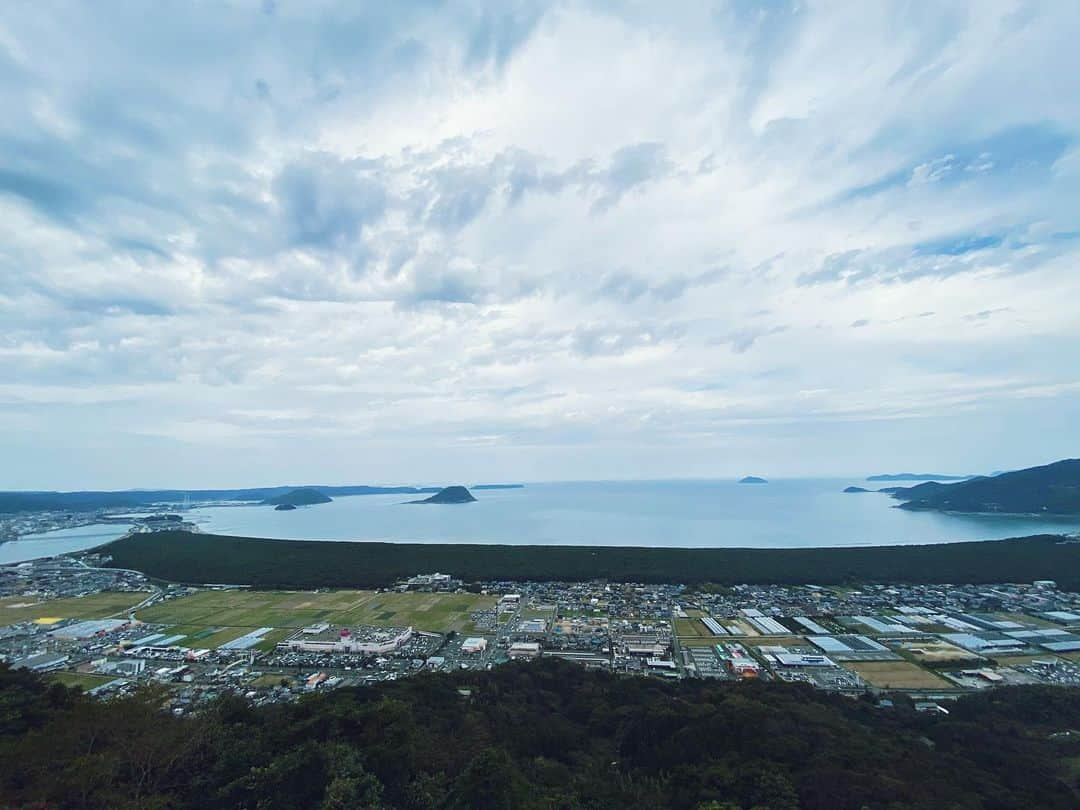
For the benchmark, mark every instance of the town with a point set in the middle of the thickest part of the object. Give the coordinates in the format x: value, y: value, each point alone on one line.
x: 109, y: 631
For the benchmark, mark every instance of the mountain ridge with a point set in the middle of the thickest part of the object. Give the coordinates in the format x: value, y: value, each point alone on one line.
x: 1050, y: 489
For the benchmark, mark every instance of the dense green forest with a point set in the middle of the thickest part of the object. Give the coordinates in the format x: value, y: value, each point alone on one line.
x: 542, y: 735
x: 204, y: 558
x: 1051, y: 489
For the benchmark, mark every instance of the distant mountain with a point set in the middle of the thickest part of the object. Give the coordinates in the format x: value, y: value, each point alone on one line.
x: 918, y: 477
x: 91, y: 501
x: 305, y: 496
x: 453, y: 494
x: 752, y: 479
x: 498, y: 486
x: 1053, y: 489
x: 855, y: 489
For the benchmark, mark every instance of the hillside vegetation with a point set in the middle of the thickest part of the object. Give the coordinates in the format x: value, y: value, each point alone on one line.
x: 1053, y: 489
x: 305, y: 496
x: 542, y: 735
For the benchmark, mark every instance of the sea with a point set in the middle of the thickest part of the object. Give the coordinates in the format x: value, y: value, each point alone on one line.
x: 793, y: 513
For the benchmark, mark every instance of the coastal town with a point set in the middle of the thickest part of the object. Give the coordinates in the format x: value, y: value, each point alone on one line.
x: 110, y: 631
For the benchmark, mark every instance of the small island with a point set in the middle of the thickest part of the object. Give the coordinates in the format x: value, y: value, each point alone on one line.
x: 305, y: 496
x: 752, y: 479
x: 284, y: 507
x: 455, y: 494
x: 855, y: 489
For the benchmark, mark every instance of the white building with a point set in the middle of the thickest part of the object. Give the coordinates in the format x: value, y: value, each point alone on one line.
x: 474, y: 645
x: 524, y: 649
x: 347, y: 644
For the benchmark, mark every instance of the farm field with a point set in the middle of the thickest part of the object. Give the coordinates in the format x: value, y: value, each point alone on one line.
x: 691, y: 628
x: 1022, y: 660
x: 85, y: 680
x: 287, y: 610
x: 700, y: 641
x: 896, y: 675
x: 15, y: 609
x: 545, y: 612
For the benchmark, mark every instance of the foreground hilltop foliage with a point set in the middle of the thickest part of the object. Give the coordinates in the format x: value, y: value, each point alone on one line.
x: 542, y: 735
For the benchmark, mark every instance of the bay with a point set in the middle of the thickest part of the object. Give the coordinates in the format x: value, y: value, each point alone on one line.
x: 793, y: 513
x: 693, y: 514
x: 60, y: 541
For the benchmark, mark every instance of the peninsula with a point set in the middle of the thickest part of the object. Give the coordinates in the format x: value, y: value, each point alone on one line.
x: 1052, y: 489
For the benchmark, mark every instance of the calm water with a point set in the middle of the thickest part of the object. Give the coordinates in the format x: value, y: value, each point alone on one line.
x: 636, y: 513
x: 61, y: 541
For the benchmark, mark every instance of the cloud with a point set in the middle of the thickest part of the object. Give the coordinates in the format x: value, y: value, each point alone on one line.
x: 498, y: 239
x: 325, y: 202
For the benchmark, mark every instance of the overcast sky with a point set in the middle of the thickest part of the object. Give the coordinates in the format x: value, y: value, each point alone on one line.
x: 258, y: 243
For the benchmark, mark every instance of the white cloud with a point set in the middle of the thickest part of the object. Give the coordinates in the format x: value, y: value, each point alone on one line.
x: 513, y: 240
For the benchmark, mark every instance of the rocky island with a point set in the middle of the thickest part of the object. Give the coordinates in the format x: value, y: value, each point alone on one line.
x: 284, y: 507
x: 855, y: 489
x: 455, y: 494
x: 752, y: 479
x: 305, y: 496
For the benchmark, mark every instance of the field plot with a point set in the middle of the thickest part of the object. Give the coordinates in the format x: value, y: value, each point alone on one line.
x: 15, y: 609
x: 226, y: 611
x: 1022, y: 660
x: 896, y: 675
x: 545, y: 612
x: 691, y: 628
x: 86, y: 680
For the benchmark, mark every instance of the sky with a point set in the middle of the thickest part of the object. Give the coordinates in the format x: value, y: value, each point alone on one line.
x: 248, y: 243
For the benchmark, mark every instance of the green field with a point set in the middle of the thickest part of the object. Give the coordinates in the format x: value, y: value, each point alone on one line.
x: 15, y: 609
x: 86, y: 680
x: 691, y: 628
x: 211, y: 618
x: 700, y: 641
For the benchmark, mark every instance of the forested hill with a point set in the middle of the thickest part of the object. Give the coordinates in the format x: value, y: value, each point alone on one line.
x: 299, y: 497
x: 1051, y: 489
x: 546, y: 734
